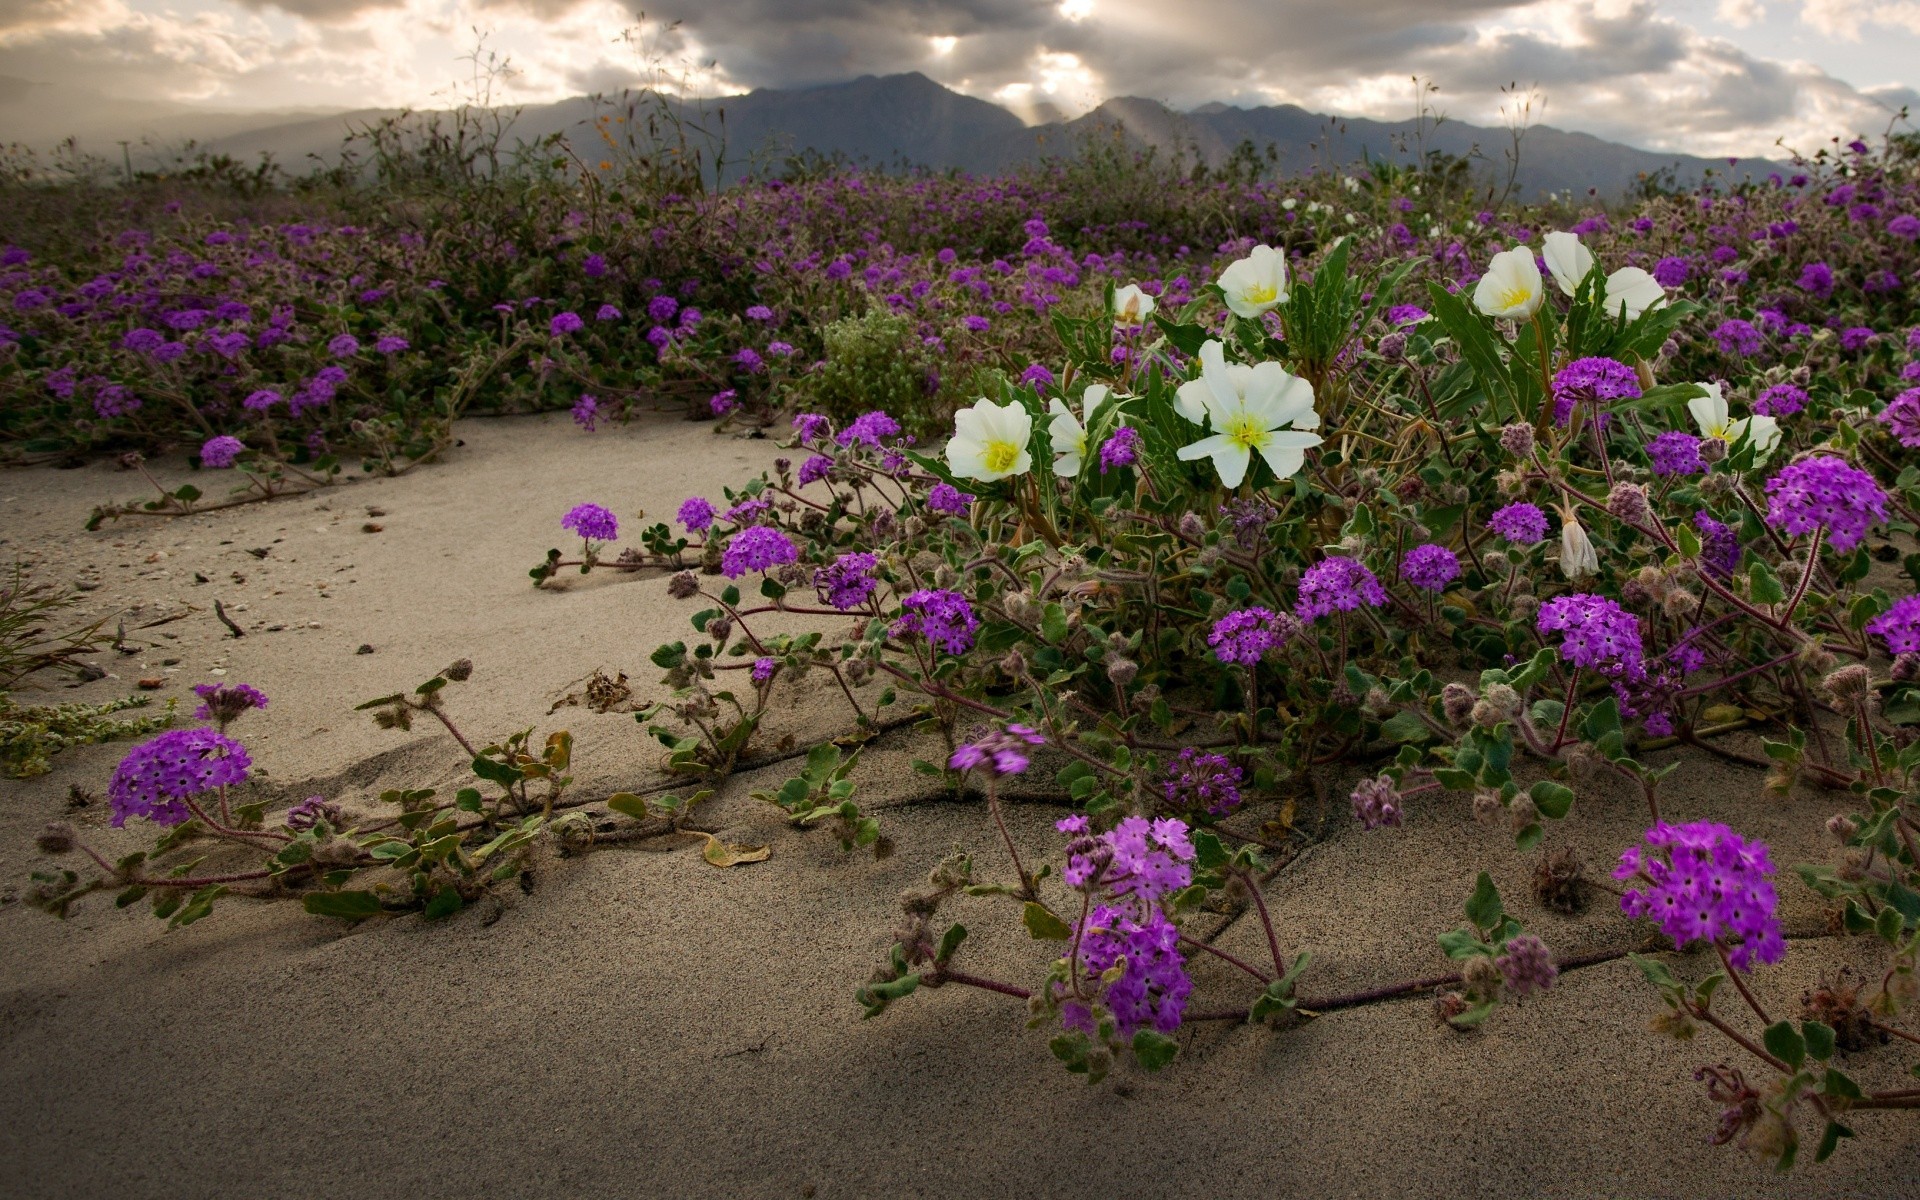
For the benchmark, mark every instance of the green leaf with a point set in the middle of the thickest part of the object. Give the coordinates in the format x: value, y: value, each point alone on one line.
x: 1461, y: 944
x: 1819, y: 1038
x: 350, y: 905
x: 1210, y: 853
x: 1043, y: 925
x: 950, y: 942
x: 1830, y: 1140
x: 1784, y: 1042
x: 1406, y: 726
x: 1053, y: 624
x: 1483, y: 907
x: 1552, y: 799
x: 445, y: 903
x: 1766, y: 586
x: 1839, y: 1084
x: 1154, y: 1049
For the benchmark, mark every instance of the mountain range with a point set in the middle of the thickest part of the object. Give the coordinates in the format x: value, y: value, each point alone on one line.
x: 909, y: 120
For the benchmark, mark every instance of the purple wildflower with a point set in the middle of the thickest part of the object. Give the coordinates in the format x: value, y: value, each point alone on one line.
x: 1901, y: 416
x: 344, y: 346
x: 848, y: 582
x: 1702, y: 882
x: 222, y: 703
x: 998, y: 753
x: 815, y: 469
x: 1594, y: 632
x: 1337, y: 585
x: 1738, y: 338
x: 1899, y: 626
x: 1719, y: 545
x: 868, y: 429
x: 943, y: 617
x: 221, y: 452
x: 310, y: 812
x: 1825, y: 492
x: 1405, y: 314
x: 1377, y: 803
x: 696, y: 515
x: 1780, y: 400
x: 1594, y: 381
x: 1670, y: 272
x: 757, y: 548
x: 1120, y: 450
x: 1676, y: 452
x: 1430, y: 567
x: 592, y: 522
x: 662, y: 309
x: 1526, y: 965
x: 763, y: 669
x: 1037, y: 375
x: 945, y: 498
x: 586, y: 411
x: 724, y: 402
x: 1522, y: 524
x: 808, y: 426
x: 564, y: 323
x: 607, y: 312
x: 1243, y: 638
x: 1817, y: 278
x: 391, y: 344
x: 157, y: 777
x: 1197, y: 782
x: 759, y: 312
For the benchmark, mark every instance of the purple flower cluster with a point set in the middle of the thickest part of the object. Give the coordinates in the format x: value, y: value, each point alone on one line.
x: 592, y: 522
x: 1376, y: 803
x: 1901, y: 416
x: 869, y: 429
x: 311, y: 811
x: 1738, y: 338
x: 1592, y: 381
x: 948, y: 499
x: 1244, y: 638
x: 1675, y: 452
x: 1595, y: 633
x: 1719, y: 544
x: 1337, y: 585
x: 943, y: 617
x: 156, y: 778
x: 1899, y: 626
x: 1004, y: 752
x: 223, y: 703
x: 815, y: 469
x: 1826, y: 492
x: 848, y: 582
x: 1120, y: 450
x: 1137, y: 862
x: 1702, y: 882
x: 763, y: 669
x: 1430, y: 567
x: 757, y: 548
x: 1522, y: 524
x: 221, y: 452
x: 1197, y: 782
x: 1526, y: 965
x: 695, y: 515
x: 809, y: 426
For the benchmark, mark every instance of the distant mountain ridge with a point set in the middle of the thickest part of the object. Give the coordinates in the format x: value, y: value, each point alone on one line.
x: 895, y: 121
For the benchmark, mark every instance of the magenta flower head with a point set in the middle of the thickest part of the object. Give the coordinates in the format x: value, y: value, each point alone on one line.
x: 1430, y: 567
x: 809, y: 426
x: 1137, y: 862
x: 1522, y: 524
x: 1675, y: 452
x: 1376, y: 803
x: 391, y: 344
x: 757, y: 548
x: 948, y: 499
x: 695, y: 514
x: 1595, y: 632
x: 156, y: 778
x: 344, y: 346
x: 1901, y: 417
x: 1702, y: 882
x: 1004, y: 753
x: 1197, y: 782
x: 1826, y: 492
x: 1120, y: 450
x: 1244, y: 638
x: 848, y: 583
x: 591, y: 522
x: 223, y: 703
x: 763, y: 670
x: 221, y: 452
x: 1595, y: 381
x: 943, y: 617
x: 1899, y: 626
x: 586, y: 411
x: 565, y: 323
x: 1337, y: 585
x: 868, y: 429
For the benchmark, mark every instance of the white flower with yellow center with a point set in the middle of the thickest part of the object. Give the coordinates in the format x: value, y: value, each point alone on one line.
x: 1629, y: 290
x: 1253, y: 410
x: 1069, y: 433
x: 1512, y: 286
x: 1131, y: 306
x: 1257, y: 284
x: 1710, y: 414
x: 1568, y: 261
x: 990, y: 441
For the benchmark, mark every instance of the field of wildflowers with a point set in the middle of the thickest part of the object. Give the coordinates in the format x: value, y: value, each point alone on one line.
x: 1178, y: 496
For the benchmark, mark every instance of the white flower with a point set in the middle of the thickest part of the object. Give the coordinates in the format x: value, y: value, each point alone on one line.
x: 1131, y: 306
x: 1711, y: 415
x: 1255, y: 284
x: 1577, y: 556
x: 1289, y: 203
x: 1260, y: 408
x: 990, y: 441
x: 1216, y: 376
x: 1633, y: 291
x: 1568, y: 260
x: 1512, y: 286
x: 1069, y: 434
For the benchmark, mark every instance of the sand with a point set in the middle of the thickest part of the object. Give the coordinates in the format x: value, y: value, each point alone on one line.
x: 641, y: 1023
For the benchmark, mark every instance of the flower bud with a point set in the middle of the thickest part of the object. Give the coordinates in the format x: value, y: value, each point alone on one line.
x: 1393, y: 347
x: 683, y: 585
x: 1680, y: 603
x: 1191, y: 527
x: 1522, y: 812
x: 1842, y: 827
x: 1517, y: 439
x: 1456, y: 701
x: 720, y: 629
x: 1712, y: 449
x: 1482, y: 977
x: 1849, y: 683
x: 1906, y: 667
x: 1503, y: 697
x: 1487, y: 807
x: 1496, y: 561
x: 1628, y: 501
x: 1122, y: 671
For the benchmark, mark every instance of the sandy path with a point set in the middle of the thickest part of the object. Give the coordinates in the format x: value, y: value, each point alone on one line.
x: 642, y: 1024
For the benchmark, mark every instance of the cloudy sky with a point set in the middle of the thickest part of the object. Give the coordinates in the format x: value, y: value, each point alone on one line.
x: 1709, y: 76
